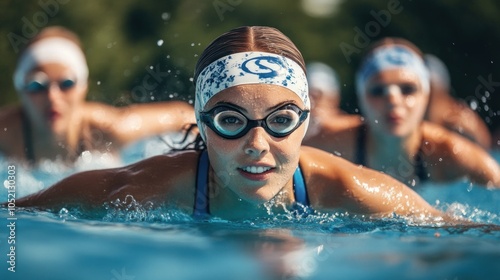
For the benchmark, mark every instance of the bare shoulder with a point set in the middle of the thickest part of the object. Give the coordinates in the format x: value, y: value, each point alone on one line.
x: 337, y: 135
x: 11, y: 130
x: 326, y: 175
x: 335, y: 183
x: 439, y: 141
x: 9, y: 116
x: 170, y: 177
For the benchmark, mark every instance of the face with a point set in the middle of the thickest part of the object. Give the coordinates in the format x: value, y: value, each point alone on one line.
x: 257, y: 165
x: 52, y: 96
x: 394, y: 102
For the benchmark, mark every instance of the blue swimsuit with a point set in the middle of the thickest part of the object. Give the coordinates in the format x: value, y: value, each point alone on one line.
x: 202, y: 203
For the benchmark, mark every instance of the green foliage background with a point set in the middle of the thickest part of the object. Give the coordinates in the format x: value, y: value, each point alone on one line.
x: 143, y: 51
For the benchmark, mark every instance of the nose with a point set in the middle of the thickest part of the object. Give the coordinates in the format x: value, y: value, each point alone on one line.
x: 394, y: 95
x: 256, y: 142
x: 53, y: 92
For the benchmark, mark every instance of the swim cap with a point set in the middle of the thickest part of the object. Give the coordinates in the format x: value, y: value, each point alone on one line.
x: 437, y: 70
x: 53, y: 49
x: 248, y: 68
x: 323, y: 77
x: 391, y: 57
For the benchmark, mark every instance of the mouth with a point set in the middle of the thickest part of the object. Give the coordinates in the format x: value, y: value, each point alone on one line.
x: 394, y: 118
x: 256, y: 173
x: 256, y: 169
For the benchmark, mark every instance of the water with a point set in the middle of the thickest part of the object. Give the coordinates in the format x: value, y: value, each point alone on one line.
x: 140, y: 242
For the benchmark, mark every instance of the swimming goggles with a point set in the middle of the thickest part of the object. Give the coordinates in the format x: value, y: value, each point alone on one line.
x: 37, y: 86
x: 380, y: 90
x: 228, y: 122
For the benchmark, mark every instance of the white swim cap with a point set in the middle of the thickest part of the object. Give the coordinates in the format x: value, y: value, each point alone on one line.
x: 248, y: 68
x: 52, y: 49
x: 437, y: 69
x: 323, y: 77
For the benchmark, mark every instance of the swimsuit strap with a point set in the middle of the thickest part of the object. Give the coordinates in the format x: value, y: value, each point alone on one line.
x: 420, y: 165
x: 360, y: 152
x: 299, y: 188
x: 27, y: 137
x: 201, y: 202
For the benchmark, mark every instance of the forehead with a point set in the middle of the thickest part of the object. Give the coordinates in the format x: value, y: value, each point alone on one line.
x: 52, y: 70
x: 395, y: 76
x: 255, y: 96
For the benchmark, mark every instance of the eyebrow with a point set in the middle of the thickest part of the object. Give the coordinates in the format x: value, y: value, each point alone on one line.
x: 232, y: 105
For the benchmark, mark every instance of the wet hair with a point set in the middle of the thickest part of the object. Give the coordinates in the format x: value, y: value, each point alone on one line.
x: 249, y: 38
x: 243, y: 39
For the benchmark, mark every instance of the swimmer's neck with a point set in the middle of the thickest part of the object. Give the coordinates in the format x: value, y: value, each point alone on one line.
x: 226, y: 204
x: 383, y: 146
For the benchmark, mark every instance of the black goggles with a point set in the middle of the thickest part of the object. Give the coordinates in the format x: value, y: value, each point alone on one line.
x: 37, y: 86
x: 230, y: 123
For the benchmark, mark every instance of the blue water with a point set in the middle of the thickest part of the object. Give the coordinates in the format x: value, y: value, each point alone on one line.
x: 140, y: 242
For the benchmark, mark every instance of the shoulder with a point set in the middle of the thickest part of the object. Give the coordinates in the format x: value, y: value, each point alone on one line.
x: 10, y: 126
x: 439, y: 139
x: 337, y: 135
x: 333, y: 182
x: 10, y: 113
x: 167, y: 178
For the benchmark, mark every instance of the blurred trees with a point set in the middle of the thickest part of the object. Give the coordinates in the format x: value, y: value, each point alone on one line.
x: 143, y: 51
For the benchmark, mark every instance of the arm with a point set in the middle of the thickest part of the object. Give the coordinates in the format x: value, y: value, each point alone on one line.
x: 158, y: 179
x: 453, y: 156
x: 337, y: 183
x: 131, y: 123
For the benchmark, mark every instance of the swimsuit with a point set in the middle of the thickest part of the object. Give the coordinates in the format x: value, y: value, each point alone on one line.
x: 202, y: 203
x: 360, y: 156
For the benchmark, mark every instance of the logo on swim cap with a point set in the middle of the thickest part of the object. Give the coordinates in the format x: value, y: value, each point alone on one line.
x: 264, y: 67
x: 398, y: 57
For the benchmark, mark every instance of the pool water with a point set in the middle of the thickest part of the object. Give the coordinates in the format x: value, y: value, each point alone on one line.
x: 140, y: 242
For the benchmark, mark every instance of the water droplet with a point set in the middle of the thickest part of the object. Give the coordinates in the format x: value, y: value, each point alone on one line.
x: 165, y: 16
x: 98, y: 82
x: 473, y: 105
x: 151, y: 67
x: 159, y: 43
x: 192, y: 44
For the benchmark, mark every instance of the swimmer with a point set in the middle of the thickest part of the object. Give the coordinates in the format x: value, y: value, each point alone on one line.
x: 449, y: 112
x: 327, y: 118
x: 392, y: 86
x: 252, y: 109
x: 55, y: 122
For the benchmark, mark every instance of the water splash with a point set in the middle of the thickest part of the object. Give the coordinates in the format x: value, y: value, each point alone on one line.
x: 129, y: 210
